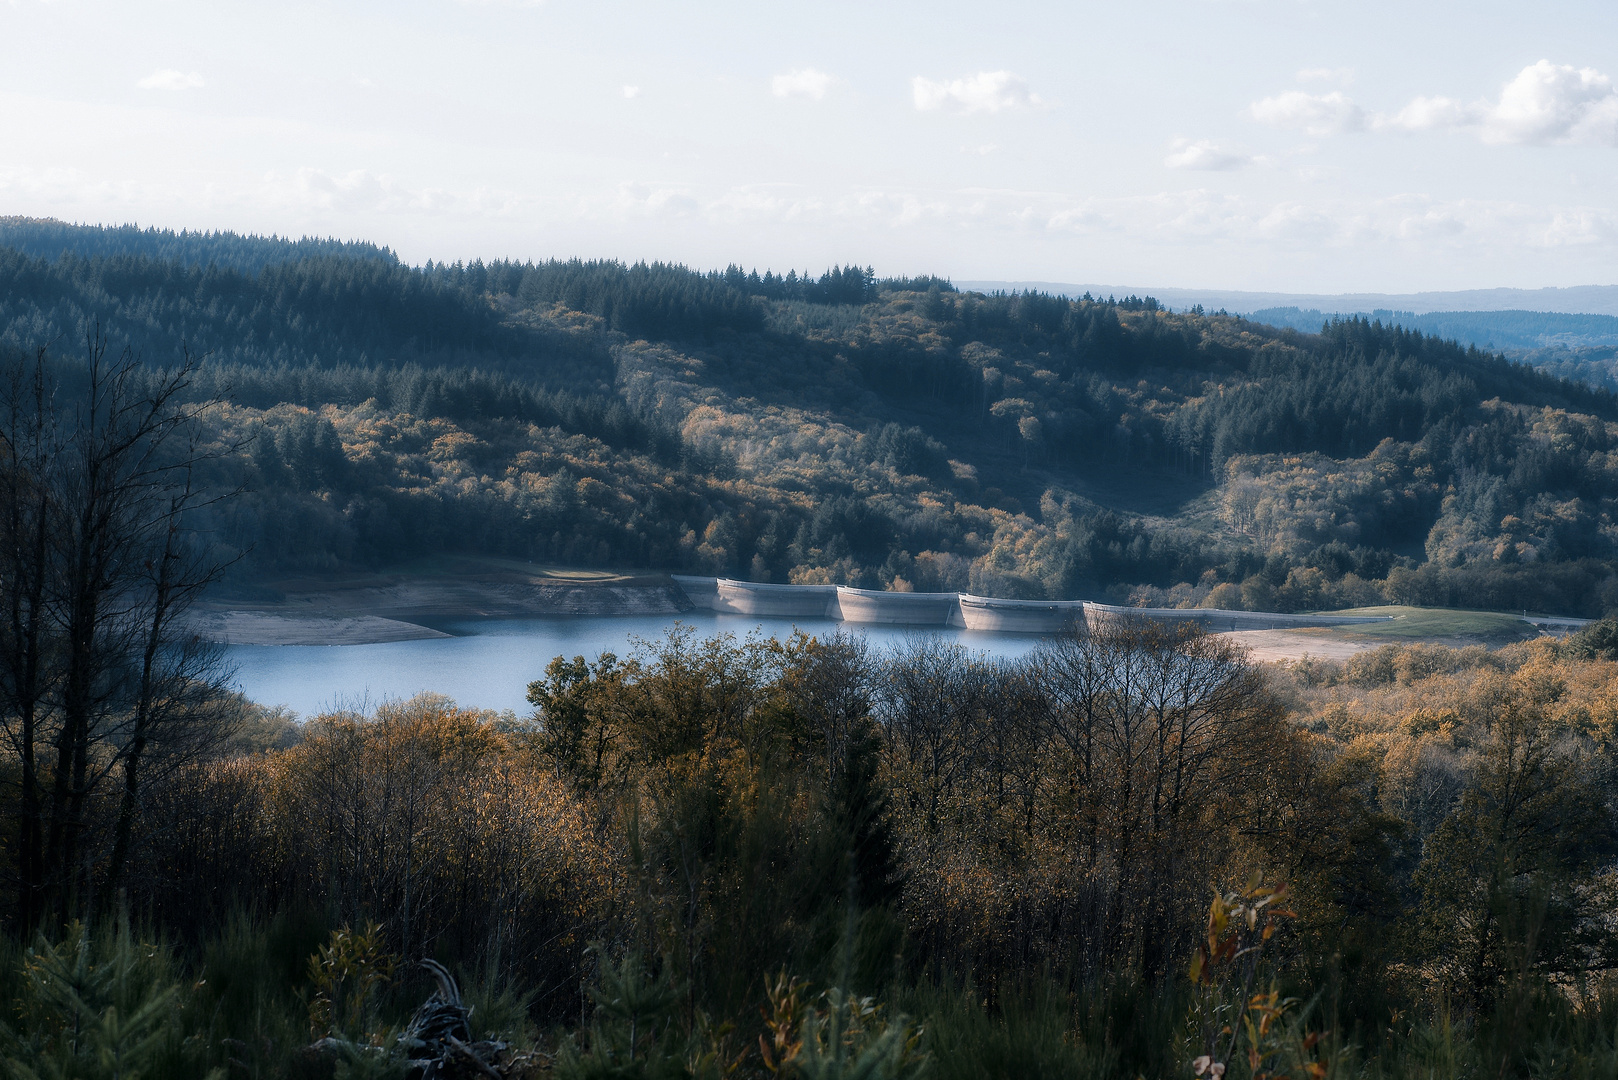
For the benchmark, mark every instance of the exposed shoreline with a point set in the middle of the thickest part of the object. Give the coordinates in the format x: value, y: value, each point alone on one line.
x: 410, y: 604
x: 1270, y: 646
x: 271, y: 628
x: 366, y: 609
x: 268, y: 628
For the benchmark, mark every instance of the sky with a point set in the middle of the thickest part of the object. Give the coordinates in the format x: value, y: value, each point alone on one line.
x: 1292, y: 145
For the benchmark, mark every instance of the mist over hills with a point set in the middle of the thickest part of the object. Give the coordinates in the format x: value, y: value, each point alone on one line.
x: 884, y: 433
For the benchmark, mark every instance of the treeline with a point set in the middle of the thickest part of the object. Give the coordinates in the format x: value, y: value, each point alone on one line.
x: 838, y: 285
x: 694, y: 861
x: 1361, y: 384
x: 324, y: 310
x: 664, y: 300
x: 49, y: 239
x: 1342, y: 392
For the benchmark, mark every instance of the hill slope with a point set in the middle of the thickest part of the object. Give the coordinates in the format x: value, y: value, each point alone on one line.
x: 897, y: 434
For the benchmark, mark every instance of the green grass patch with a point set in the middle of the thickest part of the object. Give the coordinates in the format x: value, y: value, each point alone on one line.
x: 1416, y: 624
x: 485, y: 566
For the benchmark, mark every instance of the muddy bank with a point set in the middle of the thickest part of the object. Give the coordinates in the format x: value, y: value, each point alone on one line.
x: 448, y: 601
x: 1266, y: 646
x: 264, y: 628
x: 1270, y: 645
x: 405, y: 606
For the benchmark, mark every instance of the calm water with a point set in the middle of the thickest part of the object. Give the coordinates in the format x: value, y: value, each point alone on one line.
x: 489, y: 663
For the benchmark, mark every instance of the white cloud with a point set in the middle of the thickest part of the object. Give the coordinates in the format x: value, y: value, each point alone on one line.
x: 643, y: 200
x: 1343, y: 76
x: 1300, y: 223
x: 1205, y: 156
x: 361, y: 80
x: 1581, y: 227
x: 344, y: 192
x: 1555, y: 103
x: 805, y: 82
x: 1470, y: 229
x: 982, y: 150
x: 1432, y: 224
x: 171, y: 79
x: 631, y: 91
x: 1545, y: 104
x: 359, y: 192
x: 1175, y: 220
x: 72, y: 187
x: 1428, y: 113
x: 1316, y: 114
x: 1198, y: 227
x: 987, y: 91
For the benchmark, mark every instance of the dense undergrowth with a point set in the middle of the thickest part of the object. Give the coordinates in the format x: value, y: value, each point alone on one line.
x: 723, y: 858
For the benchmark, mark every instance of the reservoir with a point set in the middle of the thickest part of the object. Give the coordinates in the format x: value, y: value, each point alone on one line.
x: 489, y: 663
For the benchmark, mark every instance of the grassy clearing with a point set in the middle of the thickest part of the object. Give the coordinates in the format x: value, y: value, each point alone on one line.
x: 1417, y: 624
x: 579, y: 575
x: 476, y: 566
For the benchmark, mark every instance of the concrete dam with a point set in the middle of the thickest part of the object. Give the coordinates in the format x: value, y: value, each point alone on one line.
x: 843, y: 604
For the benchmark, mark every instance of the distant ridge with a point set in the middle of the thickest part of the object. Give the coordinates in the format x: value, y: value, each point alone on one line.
x: 1577, y: 300
x: 1510, y: 330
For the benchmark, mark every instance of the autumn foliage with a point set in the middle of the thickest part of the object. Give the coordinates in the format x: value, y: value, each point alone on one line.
x: 722, y: 857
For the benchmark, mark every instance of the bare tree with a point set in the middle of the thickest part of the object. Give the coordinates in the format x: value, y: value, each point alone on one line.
x: 99, y: 491
x: 31, y: 442
x: 829, y: 683
x: 1162, y: 725
x: 178, y: 704
x: 1077, y: 793
x: 927, y: 707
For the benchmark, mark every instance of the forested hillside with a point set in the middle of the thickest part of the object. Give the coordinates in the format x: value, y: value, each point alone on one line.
x: 841, y: 427
x: 1583, y: 348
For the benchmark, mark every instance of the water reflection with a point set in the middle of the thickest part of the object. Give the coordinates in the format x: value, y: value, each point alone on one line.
x: 489, y: 663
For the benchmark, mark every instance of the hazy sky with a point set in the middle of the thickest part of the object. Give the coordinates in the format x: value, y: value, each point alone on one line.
x: 1294, y: 145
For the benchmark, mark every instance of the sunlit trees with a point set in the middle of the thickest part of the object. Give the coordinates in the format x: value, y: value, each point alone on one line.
x: 1516, y: 877
x: 927, y: 822
x: 1065, y: 808
x: 742, y: 775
